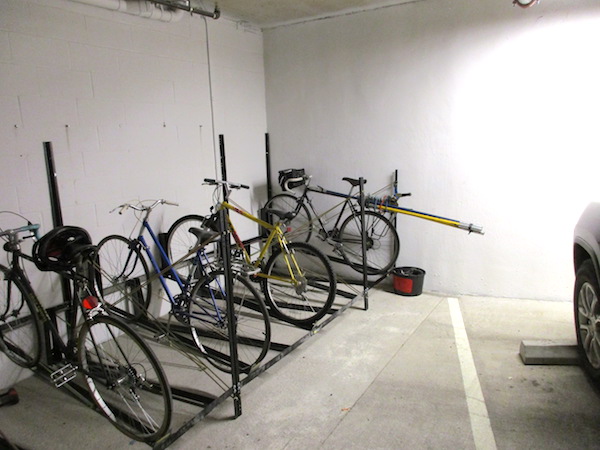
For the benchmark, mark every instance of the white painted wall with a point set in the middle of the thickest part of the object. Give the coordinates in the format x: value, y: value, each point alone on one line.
x: 126, y: 103
x: 488, y: 111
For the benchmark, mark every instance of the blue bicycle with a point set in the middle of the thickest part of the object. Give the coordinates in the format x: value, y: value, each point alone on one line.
x: 199, y: 302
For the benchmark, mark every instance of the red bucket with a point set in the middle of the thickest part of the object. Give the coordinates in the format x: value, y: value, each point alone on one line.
x: 408, y: 280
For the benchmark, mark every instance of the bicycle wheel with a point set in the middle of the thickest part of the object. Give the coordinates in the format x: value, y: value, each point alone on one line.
x: 180, y: 242
x: 382, y: 243
x: 308, y: 295
x: 300, y: 228
x: 124, y: 378
x: 207, y: 314
x: 123, y: 277
x: 20, y: 328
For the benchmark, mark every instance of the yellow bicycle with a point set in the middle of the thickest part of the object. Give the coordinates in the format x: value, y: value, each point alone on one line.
x: 296, y: 278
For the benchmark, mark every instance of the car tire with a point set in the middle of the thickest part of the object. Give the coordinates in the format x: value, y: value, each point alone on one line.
x: 586, y: 304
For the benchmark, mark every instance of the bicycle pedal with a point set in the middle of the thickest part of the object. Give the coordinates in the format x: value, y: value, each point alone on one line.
x: 249, y: 271
x: 63, y: 375
x: 245, y: 270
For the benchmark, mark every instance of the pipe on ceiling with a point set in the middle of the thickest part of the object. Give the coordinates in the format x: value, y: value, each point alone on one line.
x: 186, y: 5
x: 141, y: 8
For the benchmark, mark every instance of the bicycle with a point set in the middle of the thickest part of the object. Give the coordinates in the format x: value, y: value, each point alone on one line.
x: 382, y: 241
x: 198, y: 300
x: 297, y: 279
x: 125, y: 381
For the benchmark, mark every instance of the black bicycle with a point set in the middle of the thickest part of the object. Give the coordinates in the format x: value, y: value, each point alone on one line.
x: 345, y: 235
x: 123, y: 376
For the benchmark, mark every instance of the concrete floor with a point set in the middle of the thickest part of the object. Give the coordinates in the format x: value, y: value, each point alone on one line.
x: 401, y: 375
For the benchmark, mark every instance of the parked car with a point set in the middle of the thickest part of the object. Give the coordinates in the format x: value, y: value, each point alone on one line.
x: 586, y: 257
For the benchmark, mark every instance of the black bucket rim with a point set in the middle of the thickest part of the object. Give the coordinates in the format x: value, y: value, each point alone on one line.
x: 408, y: 271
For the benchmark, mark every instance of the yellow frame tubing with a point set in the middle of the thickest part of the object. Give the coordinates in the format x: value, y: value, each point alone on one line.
x: 275, y: 232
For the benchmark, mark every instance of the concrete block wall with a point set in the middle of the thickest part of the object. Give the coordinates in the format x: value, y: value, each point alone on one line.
x: 126, y: 103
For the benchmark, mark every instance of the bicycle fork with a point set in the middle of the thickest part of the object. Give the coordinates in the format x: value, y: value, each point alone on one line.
x: 299, y: 280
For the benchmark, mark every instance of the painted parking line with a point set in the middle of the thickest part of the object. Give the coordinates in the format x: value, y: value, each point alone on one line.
x: 480, y: 421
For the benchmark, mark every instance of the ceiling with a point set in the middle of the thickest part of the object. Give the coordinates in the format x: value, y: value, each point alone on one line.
x: 270, y: 13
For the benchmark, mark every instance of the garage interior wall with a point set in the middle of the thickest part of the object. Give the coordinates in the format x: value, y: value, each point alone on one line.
x: 488, y: 111
x: 126, y: 103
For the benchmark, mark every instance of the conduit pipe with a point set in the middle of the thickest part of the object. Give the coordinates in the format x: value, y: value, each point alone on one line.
x: 141, y: 8
x: 186, y: 5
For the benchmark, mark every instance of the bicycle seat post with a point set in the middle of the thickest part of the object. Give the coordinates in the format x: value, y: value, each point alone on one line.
x: 351, y: 190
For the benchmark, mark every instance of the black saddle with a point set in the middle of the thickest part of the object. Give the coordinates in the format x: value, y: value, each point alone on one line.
x: 354, y: 181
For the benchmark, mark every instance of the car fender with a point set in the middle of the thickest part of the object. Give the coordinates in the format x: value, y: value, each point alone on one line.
x: 587, y: 238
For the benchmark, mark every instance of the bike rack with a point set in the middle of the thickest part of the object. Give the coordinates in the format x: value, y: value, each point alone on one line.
x: 178, y: 334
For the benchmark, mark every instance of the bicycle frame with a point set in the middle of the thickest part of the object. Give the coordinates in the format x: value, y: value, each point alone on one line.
x: 56, y: 344
x: 184, y: 287
x: 382, y: 204
x: 17, y: 273
x: 346, y: 203
x: 275, y: 233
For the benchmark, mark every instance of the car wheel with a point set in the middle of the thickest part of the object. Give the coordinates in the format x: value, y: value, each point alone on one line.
x: 587, y: 318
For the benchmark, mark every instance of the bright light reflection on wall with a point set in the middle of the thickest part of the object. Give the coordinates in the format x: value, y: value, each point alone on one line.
x: 528, y: 110
x: 526, y: 130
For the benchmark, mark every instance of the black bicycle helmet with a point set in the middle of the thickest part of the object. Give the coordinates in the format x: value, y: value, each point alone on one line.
x: 57, y: 250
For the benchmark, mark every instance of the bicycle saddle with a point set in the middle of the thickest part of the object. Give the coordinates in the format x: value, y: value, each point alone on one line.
x: 354, y: 181
x: 62, y: 248
x: 285, y: 215
x: 204, y: 235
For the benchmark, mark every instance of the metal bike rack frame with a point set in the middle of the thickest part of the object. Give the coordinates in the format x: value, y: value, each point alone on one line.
x: 206, y: 402
x: 283, y: 349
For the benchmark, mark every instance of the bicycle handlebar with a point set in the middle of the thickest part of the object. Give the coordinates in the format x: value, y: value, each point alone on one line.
x: 139, y: 207
x: 31, y: 227
x: 213, y: 182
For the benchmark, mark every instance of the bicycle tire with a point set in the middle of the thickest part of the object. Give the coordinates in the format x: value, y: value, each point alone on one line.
x: 180, y: 242
x: 311, y: 298
x: 20, y: 327
x: 207, y: 313
x: 124, y: 378
x: 383, y: 243
x: 300, y: 228
x: 123, y: 277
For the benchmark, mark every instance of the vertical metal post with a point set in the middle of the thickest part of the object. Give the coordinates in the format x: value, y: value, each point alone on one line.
x: 57, y: 218
x: 364, y: 242
x: 57, y: 221
x: 222, y: 153
x: 225, y: 245
x: 268, y: 156
x: 394, y: 218
x: 231, y: 320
